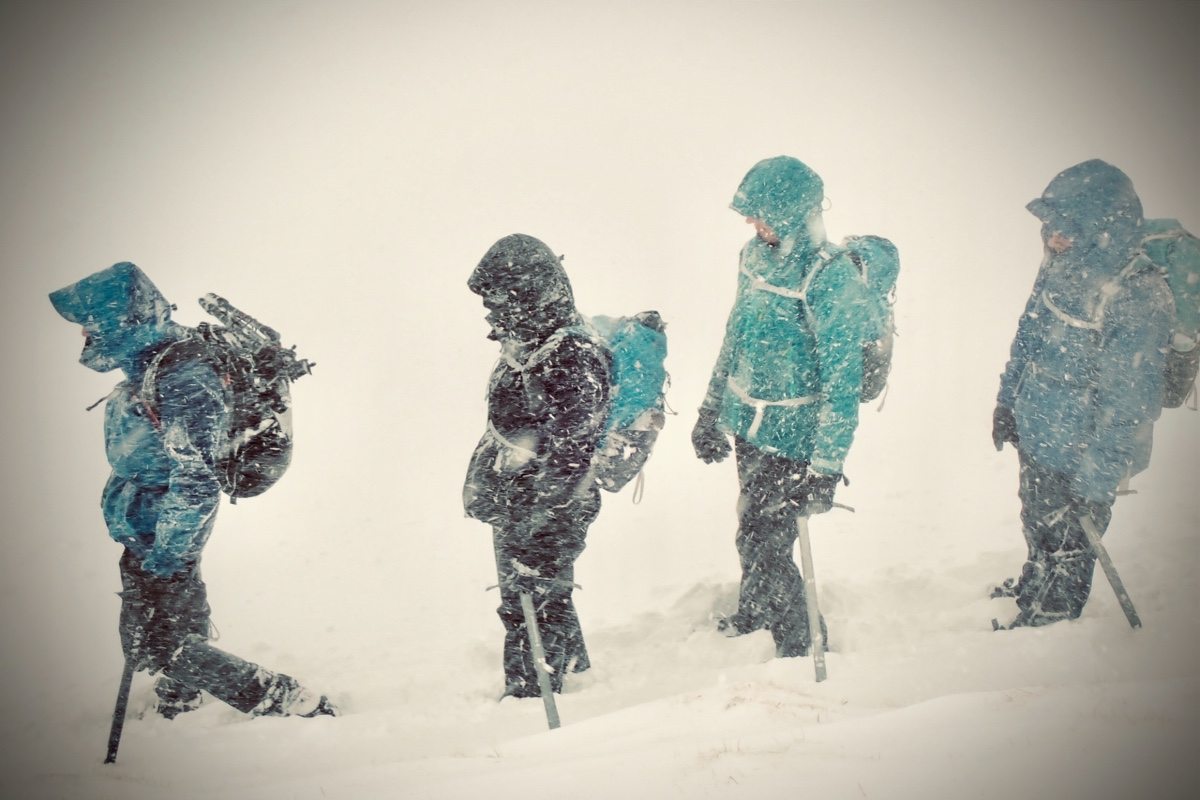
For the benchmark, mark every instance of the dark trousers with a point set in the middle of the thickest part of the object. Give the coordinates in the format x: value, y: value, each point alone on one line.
x: 1057, y: 577
x: 164, y: 627
x: 549, y: 548
x: 771, y: 595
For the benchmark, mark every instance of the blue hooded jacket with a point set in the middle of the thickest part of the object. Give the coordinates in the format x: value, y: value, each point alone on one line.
x: 1085, y: 375
x: 162, y: 496
x: 789, y: 374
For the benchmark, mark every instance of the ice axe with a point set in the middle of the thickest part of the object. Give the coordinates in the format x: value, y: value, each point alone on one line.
x: 816, y: 637
x: 539, y: 660
x: 1110, y: 571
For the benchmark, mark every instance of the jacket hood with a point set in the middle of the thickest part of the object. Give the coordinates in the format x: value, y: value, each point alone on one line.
x: 1095, y: 204
x: 122, y: 311
x: 525, y: 289
x: 783, y: 192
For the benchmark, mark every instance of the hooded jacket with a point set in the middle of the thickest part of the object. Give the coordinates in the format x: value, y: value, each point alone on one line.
x: 1085, y: 374
x: 548, y: 395
x: 789, y: 374
x: 162, y: 495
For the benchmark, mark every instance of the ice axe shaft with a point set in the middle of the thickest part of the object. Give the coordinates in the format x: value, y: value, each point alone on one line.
x: 816, y: 638
x: 539, y: 660
x: 1110, y: 571
x: 118, y: 719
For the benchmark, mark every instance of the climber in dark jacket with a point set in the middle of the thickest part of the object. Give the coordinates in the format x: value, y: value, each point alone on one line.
x: 529, y: 477
x: 161, y: 499
x: 1084, y: 382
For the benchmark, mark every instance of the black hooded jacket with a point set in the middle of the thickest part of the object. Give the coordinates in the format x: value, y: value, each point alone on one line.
x: 548, y: 394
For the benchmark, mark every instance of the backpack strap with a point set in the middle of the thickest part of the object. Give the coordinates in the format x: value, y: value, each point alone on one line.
x: 1108, y: 291
x: 173, y: 353
x: 824, y: 256
x: 583, y: 331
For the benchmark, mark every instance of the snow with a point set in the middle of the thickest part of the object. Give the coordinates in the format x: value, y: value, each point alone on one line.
x: 338, y: 171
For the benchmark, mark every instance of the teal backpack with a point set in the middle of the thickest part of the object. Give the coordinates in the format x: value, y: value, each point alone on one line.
x: 1177, y: 253
x: 879, y: 266
x: 637, y: 396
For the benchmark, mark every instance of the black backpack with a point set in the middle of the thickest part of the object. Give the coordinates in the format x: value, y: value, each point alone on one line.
x: 257, y: 370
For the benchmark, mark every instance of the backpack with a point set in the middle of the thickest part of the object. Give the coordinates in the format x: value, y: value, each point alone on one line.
x: 878, y: 265
x: 637, y: 346
x: 257, y: 369
x: 1177, y: 253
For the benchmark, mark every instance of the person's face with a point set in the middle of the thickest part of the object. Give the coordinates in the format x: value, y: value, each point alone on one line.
x: 507, y: 317
x: 764, y: 231
x: 1056, y: 241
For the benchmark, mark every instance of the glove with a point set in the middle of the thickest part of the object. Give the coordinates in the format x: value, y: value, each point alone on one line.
x: 1004, y: 427
x: 708, y: 442
x: 818, y: 493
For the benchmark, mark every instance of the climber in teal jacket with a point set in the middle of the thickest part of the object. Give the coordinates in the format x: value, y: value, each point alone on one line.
x: 786, y: 387
x: 1084, y: 382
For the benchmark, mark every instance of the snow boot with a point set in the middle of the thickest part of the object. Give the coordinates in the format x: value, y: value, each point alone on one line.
x: 739, y: 624
x: 247, y: 687
x: 174, y: 698
x: 1008, y: 588
x: 285, y: 697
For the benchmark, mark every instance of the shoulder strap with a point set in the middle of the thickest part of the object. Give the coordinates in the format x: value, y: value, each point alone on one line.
x: 761, y: 284
x: 547, y: 347
x: 173, y: 353
x: 1108, y: 291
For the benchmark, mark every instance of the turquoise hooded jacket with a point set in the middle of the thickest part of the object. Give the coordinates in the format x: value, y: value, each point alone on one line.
x: 161, y: 498
x: 1085, y: 376
x: 789, y: 374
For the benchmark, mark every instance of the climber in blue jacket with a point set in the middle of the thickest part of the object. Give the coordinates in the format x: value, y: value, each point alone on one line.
x: 1084, y: 381
x: 161, y: 498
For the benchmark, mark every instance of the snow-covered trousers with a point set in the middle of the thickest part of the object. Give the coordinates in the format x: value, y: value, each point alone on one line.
x: 164, y: 626
x: 772, y: 589
x: 548, y: 546
x: 156, y: 615
x: 1057, y: 577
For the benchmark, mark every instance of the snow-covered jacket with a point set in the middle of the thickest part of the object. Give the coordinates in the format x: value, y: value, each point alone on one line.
x: 547, y: 397
x: 789, y: 374
x: 1085, y: 375
x: 161, y: 498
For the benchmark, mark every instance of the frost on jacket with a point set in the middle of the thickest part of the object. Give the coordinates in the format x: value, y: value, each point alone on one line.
x: 1085, y: 375
x: 162, y: 495
x: 789, y: 374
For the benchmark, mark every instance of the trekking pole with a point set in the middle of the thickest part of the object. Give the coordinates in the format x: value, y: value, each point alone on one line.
x: 539, y: 660
x: 815, y: 635
x: 1110, y: 571
x: 118, y: 719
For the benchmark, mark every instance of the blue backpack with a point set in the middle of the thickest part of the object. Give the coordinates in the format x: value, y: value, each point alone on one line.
x: 1177, y: 253
x: 878, y: 265
x: 637, y: 397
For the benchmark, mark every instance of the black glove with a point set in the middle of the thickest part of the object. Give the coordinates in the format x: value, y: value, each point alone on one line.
x: 818, y: 493
x: 1004, y: 427
x: 709, y: 443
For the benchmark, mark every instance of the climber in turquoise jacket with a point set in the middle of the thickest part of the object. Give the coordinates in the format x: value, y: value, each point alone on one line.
x: 1084, y: 383
x: 786, y: 387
